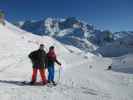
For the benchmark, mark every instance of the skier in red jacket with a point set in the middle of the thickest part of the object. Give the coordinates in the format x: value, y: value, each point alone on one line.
x: 51, y: 59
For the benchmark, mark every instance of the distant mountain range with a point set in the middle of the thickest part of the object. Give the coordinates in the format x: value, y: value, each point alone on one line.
x: 82, y: 35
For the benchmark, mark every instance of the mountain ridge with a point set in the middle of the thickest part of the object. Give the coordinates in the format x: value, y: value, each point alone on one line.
x: 72, y: 31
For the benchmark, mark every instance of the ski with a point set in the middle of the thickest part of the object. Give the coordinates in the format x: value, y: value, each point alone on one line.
x: 37, y: 84
x: 34, y: 84
x: 51, y: 85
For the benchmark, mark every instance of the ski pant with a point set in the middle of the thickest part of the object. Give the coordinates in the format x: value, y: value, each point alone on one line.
x: 42, y: 73
x: 51, y: 72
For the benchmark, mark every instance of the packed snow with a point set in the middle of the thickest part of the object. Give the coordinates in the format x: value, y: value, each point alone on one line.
x: 83, y: 76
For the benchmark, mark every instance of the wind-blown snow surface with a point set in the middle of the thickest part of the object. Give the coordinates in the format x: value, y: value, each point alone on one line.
x: 82, y: 77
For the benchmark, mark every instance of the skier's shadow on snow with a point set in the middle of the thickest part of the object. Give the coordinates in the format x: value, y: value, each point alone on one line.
x: 19, y: 83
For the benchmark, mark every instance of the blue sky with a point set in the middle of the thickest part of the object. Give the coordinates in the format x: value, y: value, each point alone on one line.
x: 115, y: 15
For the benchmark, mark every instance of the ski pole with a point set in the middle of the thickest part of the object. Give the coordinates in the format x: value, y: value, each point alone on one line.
x: 59, y: 75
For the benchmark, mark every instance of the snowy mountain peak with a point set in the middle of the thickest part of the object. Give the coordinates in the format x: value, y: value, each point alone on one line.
x: 72, y: 31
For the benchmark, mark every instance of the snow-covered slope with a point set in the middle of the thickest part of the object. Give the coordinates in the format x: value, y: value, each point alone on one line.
x: 119, y: 47
x: 123, y: 64
x: 15, y: 45
x: 83, y: 77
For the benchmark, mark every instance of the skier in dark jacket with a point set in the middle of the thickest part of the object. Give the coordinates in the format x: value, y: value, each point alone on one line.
x: 38, y: 59
x: 51, y: 59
